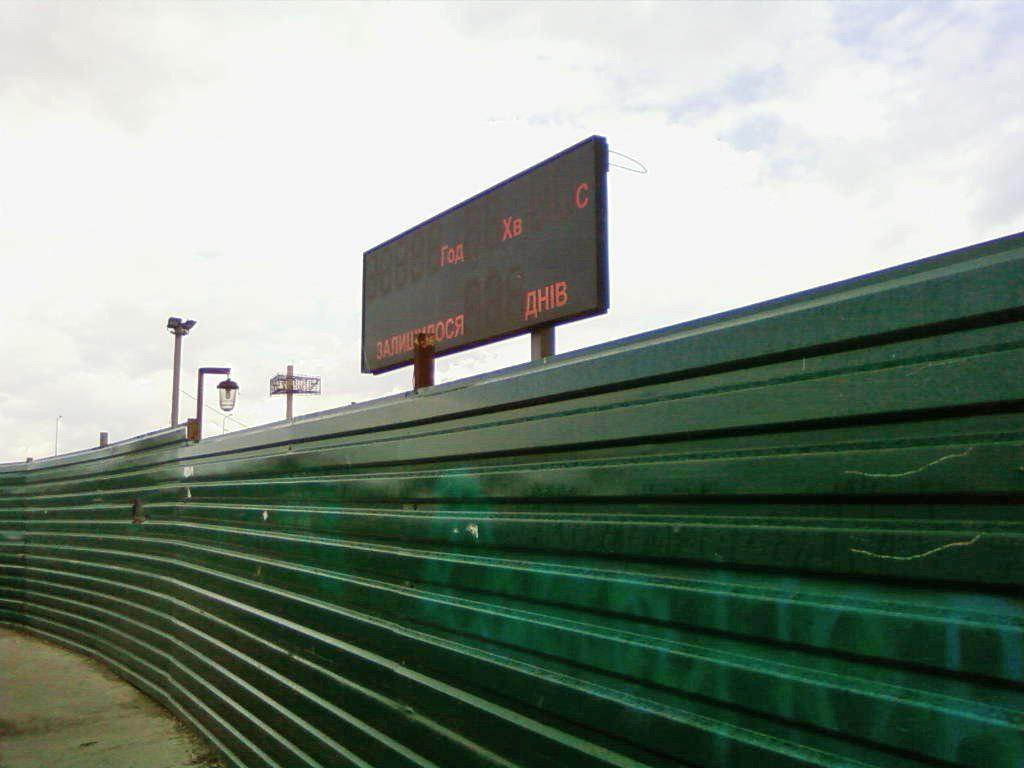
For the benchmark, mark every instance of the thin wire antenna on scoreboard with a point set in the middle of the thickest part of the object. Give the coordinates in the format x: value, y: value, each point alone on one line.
x: 641, y: 170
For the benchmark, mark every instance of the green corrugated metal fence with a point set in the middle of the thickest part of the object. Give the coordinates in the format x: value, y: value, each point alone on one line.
x: 788, y: 535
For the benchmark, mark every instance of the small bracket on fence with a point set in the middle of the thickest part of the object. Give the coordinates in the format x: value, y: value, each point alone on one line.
x: 138, y: 513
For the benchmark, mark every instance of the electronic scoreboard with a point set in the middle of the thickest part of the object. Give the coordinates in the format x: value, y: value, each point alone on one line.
x: 529, y: 252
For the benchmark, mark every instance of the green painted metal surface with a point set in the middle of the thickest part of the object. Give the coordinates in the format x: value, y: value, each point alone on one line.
x: 788, y: 535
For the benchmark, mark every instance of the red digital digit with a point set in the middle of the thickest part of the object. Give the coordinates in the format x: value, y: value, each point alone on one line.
x: 581, y: 202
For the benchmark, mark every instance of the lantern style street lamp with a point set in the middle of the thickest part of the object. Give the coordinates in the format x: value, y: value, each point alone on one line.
x: 227, y: 390
x: 228, y: 394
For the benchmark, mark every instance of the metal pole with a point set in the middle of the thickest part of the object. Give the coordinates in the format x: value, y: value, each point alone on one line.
x: 56, y: 434
x: 542, y: 343
x: 290, y: 379
x: 423, y: 362
x: 199, y: 396
x: 199, y: 406
x: 177, y: 379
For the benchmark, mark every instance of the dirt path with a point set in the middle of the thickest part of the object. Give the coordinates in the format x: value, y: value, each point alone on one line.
x: 60, y: 709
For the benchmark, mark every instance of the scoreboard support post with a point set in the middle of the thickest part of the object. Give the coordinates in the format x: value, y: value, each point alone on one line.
x: 423, y: 362
x: 542, y: 343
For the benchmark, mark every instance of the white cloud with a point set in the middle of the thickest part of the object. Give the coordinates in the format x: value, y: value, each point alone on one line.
x: 231, y: 162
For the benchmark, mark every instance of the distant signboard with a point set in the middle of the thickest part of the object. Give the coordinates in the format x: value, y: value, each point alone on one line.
x: 291, y: 383
x: 531, y: 251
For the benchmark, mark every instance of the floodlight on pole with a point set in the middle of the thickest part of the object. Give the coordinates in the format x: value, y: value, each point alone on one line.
x: 179, y: 328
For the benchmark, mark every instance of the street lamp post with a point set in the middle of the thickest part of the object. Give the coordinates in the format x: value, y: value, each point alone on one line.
x: 179, y: 328
x: 227, y: 390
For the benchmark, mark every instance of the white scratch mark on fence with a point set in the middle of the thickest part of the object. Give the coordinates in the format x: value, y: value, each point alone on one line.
x: 919, y: 556
x: 909, y: 471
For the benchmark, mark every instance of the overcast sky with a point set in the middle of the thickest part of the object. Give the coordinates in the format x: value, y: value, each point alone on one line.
x: 231, y: 162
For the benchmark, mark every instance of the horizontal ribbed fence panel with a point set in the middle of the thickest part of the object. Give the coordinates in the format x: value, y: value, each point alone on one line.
x: 788, y: 535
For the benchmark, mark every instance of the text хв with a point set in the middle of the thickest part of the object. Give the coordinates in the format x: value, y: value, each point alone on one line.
x: 511, y: 227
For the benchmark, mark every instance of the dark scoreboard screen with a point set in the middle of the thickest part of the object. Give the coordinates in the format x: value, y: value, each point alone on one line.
x: 529, y: 252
